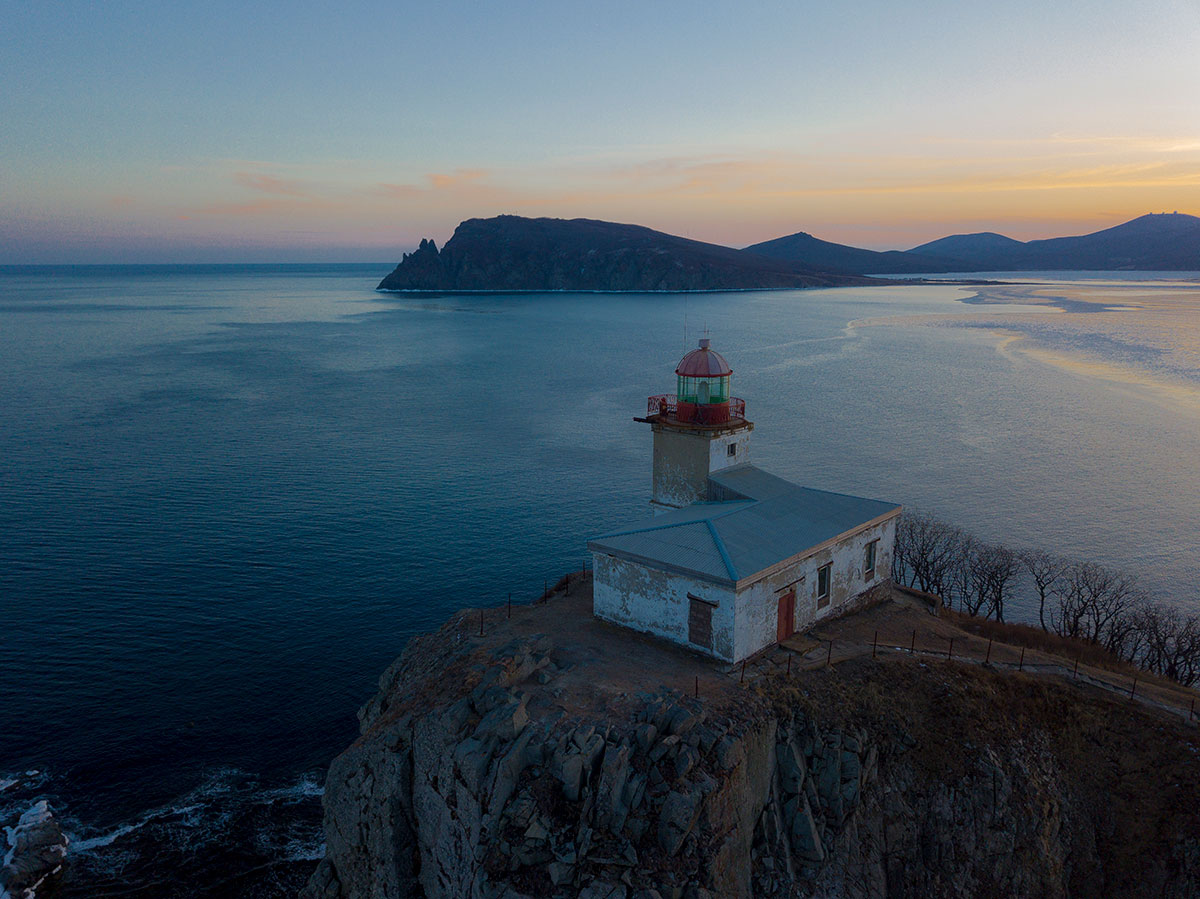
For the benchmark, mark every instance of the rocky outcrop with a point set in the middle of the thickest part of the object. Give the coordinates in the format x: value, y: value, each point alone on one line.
x: 473, y: 777
x: 510, y: 253
x: 32, y: 851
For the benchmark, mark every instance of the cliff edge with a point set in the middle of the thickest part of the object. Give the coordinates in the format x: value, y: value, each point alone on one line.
x: 557, y: 756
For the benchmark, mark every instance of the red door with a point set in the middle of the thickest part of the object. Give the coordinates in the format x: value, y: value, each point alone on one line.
x: 787, y: 616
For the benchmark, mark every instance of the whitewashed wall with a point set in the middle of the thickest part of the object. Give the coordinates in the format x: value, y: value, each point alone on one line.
x: 683, y: 461
x: 758, y: 605
x: 656, y: 602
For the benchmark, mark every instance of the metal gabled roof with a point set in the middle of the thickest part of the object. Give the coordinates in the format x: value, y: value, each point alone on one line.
x: 764, y: 520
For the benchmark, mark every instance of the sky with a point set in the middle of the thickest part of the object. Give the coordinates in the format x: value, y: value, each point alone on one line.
x: 233, y: 132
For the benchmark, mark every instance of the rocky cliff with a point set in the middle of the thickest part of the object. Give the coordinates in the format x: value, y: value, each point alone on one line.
x: 526, y: 764
x: 511, y: 253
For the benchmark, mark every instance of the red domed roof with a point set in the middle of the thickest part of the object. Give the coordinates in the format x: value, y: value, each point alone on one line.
x: 703, y: 363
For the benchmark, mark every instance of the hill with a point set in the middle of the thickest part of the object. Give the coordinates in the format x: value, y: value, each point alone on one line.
x: 511, y: 253
x: 805, y: 249
x: 1163, y: 242
x: 982, y: 247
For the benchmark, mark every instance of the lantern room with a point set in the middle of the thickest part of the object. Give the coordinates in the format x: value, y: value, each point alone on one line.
x: 702, y: 391
x: 703, y: 376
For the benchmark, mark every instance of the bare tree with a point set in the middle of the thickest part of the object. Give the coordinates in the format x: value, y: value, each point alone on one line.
x: 931, y: 547
x: 1046, y: 570
x: 1170, y: 643
x: 993, y: 568
x: 1081, y: 600
x: 1109, y: 597
x: 1070, y: 610
x: 901, y: 551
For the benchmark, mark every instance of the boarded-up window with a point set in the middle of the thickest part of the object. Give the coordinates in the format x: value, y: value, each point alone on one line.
x: 699, y: 622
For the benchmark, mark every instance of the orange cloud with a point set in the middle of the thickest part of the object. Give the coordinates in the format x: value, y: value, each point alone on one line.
x: 269, y: 184
x: 461, y: 178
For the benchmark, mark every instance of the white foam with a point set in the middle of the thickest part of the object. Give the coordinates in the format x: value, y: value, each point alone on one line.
x: 296, y: 851
x: 308, y: 787
x: 93, y: 843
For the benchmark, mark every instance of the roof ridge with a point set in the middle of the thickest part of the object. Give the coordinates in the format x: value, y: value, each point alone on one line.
x: 748, y: 466
x: 720, y: 544
x: 743, y: 503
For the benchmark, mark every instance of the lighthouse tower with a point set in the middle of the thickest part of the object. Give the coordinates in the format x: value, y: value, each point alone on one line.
x: 698, y: 430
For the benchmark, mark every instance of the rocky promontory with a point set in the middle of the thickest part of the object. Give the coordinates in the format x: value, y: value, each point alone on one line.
x: 556, y: 756
x: 33, y: 850
x: 509, y: 253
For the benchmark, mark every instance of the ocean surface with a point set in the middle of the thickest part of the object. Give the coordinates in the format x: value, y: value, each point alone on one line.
x: 229, y: 494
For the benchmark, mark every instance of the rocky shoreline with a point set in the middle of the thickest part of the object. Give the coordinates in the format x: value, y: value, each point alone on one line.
x: 33, y: 851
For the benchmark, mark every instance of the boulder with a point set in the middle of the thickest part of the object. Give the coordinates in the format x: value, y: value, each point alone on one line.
x: 33, y: 851
x: 504, y: 722
x: 677, y: 818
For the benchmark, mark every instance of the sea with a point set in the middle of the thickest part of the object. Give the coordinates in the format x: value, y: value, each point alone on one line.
x: 230, y: 494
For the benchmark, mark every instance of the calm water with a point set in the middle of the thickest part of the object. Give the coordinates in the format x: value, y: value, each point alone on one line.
x: 228, y: 495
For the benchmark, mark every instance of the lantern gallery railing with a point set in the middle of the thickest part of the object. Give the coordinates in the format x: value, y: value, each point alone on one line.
x: 668, y: 406
x: 663, y: 404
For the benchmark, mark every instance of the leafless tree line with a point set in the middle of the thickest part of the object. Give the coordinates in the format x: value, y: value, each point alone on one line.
x: 1082, y: 600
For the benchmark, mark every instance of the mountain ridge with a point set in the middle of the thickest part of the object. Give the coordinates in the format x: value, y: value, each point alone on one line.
x: 1168, y: 241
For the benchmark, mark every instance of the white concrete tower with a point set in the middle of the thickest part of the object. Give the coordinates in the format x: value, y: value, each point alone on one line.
x: 698, y: 430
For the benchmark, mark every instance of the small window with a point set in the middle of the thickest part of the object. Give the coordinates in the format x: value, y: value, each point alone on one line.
x: 733, y: 449
x: 823, y: 585
x: 869, y: 560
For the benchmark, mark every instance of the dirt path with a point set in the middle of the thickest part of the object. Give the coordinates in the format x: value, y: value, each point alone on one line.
x: 905, y: 627
x: 606, y: 664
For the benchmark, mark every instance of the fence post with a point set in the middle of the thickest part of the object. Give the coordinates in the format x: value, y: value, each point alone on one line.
x: 546, y: 589
x: 875, y: 644
x: 481, y: 622
x: 567, y: 592
x: 742, y: 680
x: 1075, y: 673
x: 950, y: 651
x: 1133, y: 688
x: 1021, y: 664
x: 913, y: 646
x: 989, y: 653
x: 510, y: 604
x: 697, y: 686
x: 829, y: 655
x: 789, y: 671
x: 1192, y: 709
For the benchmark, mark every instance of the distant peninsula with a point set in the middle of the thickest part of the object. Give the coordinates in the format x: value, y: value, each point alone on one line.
x: 514, y: 254
x: 1162, y: 242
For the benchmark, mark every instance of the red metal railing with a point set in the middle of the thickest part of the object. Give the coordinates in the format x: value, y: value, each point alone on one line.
x: 668, y: 406
x: 662, y: 404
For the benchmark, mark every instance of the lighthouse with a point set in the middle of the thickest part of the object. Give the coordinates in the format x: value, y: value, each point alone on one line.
x: 734, y: 559
x: 698, y: 430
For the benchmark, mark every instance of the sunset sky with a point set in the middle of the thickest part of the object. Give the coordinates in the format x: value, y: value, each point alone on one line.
x: 163, y: 132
